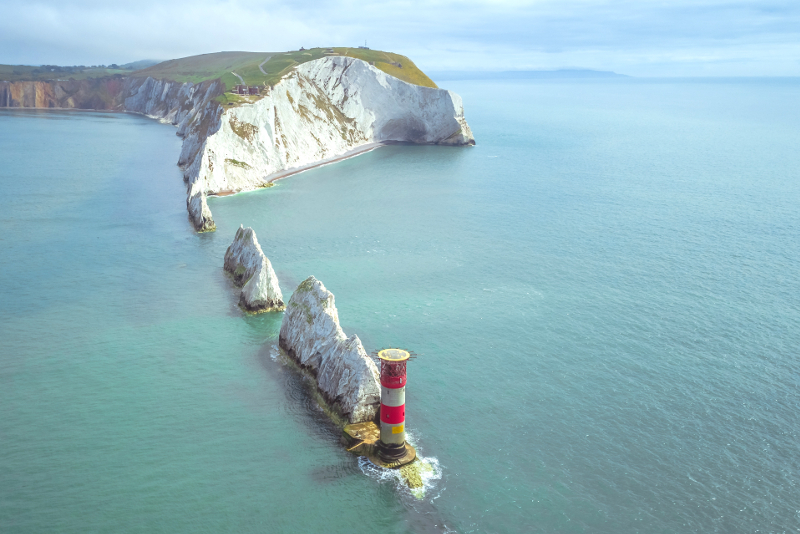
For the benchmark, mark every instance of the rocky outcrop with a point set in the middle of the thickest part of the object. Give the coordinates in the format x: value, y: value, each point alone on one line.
x: 252, y: 271
x: 311, y: 335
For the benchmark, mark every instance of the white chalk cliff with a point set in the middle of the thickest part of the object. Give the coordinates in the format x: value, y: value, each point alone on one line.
x: 194, y: 110
x: 323, y: 109
x: 251, y: 269
x: 310, y: 333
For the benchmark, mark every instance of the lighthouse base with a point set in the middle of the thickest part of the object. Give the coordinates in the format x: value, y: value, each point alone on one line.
x: 363, y: 439
x: 392, y: 457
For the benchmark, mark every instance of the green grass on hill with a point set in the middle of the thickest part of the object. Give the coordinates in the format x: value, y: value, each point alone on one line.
x: 222, y: 65
x: 387, y: 62
x: 246, y: 64
x: 204, y: 67
x: 281, y: 63
x: 17, y: 73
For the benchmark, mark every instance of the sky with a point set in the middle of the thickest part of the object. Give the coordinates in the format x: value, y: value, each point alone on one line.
x: 638, y: 38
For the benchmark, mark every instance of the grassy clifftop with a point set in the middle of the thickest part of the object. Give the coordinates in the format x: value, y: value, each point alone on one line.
x: 27, y: 73
x: 253, y: 68
x: 259, y: 68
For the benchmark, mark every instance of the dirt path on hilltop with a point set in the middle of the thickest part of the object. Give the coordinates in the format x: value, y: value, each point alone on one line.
x: 262, y: 64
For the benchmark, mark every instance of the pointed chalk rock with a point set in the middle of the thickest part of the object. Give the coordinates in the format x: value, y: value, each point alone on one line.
x: 310, y: 333
x: 252, y: 270
x: 199, y: 213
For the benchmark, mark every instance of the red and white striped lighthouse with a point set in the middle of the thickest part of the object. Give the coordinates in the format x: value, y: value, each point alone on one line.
x: 392, y: 445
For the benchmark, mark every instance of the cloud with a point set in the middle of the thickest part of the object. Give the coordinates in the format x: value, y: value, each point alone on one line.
x: 636, y: 37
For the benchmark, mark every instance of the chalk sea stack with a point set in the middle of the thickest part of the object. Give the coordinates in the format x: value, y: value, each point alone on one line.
x: 310, y: 333
x: 252, y: 271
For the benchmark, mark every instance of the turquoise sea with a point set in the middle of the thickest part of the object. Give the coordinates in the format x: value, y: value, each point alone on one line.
x: 604, y: 293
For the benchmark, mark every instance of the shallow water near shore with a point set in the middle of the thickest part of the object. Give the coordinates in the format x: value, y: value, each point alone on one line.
x: 603, y: 294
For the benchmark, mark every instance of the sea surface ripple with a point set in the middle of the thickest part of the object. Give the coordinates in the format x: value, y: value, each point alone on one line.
x: 604, y: 294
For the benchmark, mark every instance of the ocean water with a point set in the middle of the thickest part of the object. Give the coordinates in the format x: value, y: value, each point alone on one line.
x: 604, y: 294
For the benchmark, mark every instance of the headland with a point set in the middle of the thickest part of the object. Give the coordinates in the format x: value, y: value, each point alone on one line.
x: 248, y: 118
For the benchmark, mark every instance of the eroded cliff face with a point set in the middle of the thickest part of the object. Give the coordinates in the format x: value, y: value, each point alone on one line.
x: 323, y: 109
x: 196, y: 113
x: 190, y: 107
x: 95, y: 93
x: 345, y: 375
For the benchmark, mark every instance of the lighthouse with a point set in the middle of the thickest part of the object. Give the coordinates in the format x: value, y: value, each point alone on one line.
x: 385, y: 446
x: 392, y: 445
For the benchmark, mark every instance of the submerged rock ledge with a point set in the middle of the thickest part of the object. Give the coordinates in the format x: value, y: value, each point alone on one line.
x: 252, y: 271
x: 345, y: 376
